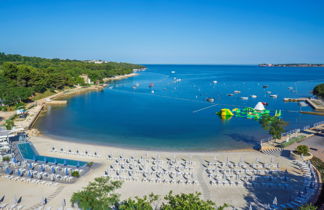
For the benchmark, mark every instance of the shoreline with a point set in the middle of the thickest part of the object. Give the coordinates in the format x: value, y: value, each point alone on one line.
x: 142, y: 149
x: 36, y: 107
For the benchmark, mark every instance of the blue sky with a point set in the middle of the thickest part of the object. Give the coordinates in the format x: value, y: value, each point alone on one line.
x: 166, y: 31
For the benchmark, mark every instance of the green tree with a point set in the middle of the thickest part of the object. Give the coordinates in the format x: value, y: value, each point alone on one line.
x: 75, y: 174
x: 9, y: 124
x: 274, y: 125
x: 302, y: 150
x: 319, y: 90
x: 98, y: 195
x: 144, y: 203
x: 187, y: 202
x: 308, y: 207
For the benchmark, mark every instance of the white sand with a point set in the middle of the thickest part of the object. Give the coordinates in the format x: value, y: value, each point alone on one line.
x: 34, y: 192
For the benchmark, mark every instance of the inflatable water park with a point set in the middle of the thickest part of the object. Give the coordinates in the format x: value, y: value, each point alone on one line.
x: 255, y: 113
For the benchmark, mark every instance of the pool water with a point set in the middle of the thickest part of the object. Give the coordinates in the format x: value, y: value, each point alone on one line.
x: 28, y: 152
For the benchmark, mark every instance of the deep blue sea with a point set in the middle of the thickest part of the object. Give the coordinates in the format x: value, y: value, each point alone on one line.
x: 124, y: 116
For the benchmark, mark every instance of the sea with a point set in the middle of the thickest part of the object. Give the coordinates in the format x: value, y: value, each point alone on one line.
x: 165, y: 107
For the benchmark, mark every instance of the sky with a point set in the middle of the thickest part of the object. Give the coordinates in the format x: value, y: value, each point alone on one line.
x: 166, y: 31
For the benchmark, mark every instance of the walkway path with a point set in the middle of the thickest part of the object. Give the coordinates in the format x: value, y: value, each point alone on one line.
x: 201, y: 180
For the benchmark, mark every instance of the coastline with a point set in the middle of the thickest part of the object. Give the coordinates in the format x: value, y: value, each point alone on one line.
x: 108, y: 146
x: 36, y: 107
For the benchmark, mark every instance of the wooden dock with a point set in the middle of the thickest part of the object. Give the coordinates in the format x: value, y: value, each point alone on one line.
x: 316, y: 104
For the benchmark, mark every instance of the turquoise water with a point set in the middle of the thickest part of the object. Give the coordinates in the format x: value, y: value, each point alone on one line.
x: 28, y: 153
x: 168, y: 119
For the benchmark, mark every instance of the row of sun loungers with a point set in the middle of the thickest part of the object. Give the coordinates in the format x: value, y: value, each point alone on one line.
x: 76, y: 152
x: 153, y: 170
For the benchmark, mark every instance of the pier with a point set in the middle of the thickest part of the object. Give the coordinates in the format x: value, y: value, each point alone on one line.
x: 316, y: 104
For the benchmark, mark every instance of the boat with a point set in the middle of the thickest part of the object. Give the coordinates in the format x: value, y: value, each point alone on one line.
x: 211, y: 100
x: 254, y: 96
x: 231, y: 94
x: 215, y: 82
x: 134, y: 86
x: 274, y: 96
x: 265, y: 103
x: 244, y: 98
x: 152, y: 91
x: 290, y: 88
x: 173, y: 72
x: 151, y: 85
x: 265, y: 86
x: 269, y: 92
x: 237, y: 91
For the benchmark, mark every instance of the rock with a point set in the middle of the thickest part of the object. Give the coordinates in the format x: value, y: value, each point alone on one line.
x: 33, y: 132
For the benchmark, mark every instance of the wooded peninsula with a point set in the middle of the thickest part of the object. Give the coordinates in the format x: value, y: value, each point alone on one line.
x: 22, y: 77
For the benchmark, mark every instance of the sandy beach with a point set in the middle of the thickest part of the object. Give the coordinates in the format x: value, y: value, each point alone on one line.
x: 236, y: 196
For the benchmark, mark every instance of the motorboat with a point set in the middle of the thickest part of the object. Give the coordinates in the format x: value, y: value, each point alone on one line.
x: 210, y: 100
x: 244, y: 98
x: 254, y: 96
x: 237, y: 91
x: 274, y: 96
x: 215, y: 82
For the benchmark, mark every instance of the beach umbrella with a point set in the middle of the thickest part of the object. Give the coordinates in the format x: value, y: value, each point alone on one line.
x: 14, y: 160
x: 42, y: 168
x: 30, y: 165
x: 63, y: 203
x: 29, y: 174
x: 8, y: 171
x: 66, y: 172
x: 19, y: 172
x: 275, y: 201
x: 53, y: 170
x: 15, y: 199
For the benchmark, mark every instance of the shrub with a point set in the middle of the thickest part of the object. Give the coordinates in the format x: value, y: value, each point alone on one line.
x: 302, y: 150
x: 9, y: 124
x: 75, y: 174
x: 6, y: 159
x: 90, y: 164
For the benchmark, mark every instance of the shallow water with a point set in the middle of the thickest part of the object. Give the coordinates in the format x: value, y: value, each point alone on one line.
x: 168, y: 118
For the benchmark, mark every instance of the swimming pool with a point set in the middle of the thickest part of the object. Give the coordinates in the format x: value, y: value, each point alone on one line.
x: 28, y: 152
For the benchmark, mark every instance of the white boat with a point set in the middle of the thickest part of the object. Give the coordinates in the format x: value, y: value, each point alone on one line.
x: 274, y: 96
x: 237, y: 91
x: 173, y: 72
x: 211, y: 100
x: 152, y: 91
x: 254, y: 96
x: 290, y: 88
x: 244, y: 98
x: 215, y: 82
x: 269, y: 92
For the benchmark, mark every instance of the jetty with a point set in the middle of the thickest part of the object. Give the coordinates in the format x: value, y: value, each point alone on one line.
x: 316, y: 104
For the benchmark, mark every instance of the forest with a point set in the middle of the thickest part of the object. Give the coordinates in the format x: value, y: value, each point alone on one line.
x: 21, y: 77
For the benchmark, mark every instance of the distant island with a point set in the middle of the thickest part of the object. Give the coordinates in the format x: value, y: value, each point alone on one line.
x: 291, y: 65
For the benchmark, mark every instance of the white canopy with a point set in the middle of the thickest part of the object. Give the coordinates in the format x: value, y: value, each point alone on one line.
x: 259, y: 106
